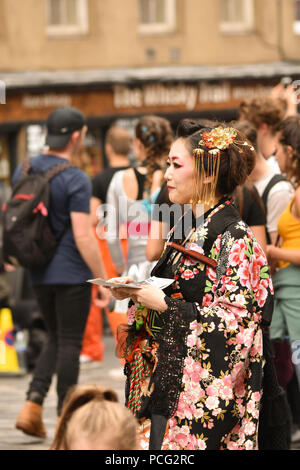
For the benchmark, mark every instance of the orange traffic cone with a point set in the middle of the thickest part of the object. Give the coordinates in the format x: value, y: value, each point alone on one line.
x: 8, y: 356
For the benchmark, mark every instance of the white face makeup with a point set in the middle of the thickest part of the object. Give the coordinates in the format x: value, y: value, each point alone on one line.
x: 180, y: 173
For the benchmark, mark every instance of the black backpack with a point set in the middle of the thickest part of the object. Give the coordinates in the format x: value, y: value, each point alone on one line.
x: 28, y: 239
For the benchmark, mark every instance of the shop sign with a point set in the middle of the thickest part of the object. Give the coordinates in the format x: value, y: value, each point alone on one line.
x: 184, y: 95
x: 48, y: 100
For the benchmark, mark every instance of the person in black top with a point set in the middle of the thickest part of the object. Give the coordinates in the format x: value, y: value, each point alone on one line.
x: 117, y: 147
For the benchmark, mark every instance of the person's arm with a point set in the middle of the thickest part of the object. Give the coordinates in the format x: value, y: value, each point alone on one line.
x: 279, y: 92
x: 95, y: 203
x: 156, y: 240
x: 276, y: 254
x: 273, y: 237
x: 291, y: 101
x: 88, y: 248
x: 86, y: 242
x: 259, y: 232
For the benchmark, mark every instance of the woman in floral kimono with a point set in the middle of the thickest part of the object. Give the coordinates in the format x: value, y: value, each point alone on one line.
x: 194, y: 356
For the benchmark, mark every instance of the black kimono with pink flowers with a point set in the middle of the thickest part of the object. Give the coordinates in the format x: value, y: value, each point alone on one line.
x: 205, y: 388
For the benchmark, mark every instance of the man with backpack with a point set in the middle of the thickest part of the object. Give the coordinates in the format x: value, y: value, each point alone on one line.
x: 60, y: 284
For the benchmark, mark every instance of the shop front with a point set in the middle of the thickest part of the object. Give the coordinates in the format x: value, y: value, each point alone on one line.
x: 23, y: 115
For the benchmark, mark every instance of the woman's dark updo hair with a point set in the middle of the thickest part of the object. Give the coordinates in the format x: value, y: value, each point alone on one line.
x: 289, y: 135
x: 156, y: 135
x: 236, y: 162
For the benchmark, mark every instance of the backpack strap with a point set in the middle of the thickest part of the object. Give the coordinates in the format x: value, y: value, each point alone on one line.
x: 56, y: 169
x: 274, y: 180
x: 49, y: 174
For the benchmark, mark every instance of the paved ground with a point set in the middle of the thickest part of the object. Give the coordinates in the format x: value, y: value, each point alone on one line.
x: 12, y: 395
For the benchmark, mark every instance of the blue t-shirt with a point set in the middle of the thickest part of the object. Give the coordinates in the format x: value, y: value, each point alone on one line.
x: 70, y: 192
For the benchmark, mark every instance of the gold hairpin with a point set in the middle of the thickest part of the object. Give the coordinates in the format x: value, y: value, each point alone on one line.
x: 215, y: 141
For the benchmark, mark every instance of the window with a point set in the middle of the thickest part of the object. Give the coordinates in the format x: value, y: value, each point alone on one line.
x: 297, y: 17
x: 237, y: 16
x: 67, y: 17
x: 157, y: 16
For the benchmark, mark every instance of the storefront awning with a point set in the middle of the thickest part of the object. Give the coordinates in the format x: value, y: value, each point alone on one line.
x: 40, y: 79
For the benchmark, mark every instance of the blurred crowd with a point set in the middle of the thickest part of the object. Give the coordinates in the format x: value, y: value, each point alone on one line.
x: 269, y: 203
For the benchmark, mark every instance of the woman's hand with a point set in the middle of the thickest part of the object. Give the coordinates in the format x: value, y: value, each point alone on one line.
x: 105, y: 297
x: 122, y: 292
x: 150, y: 297
x: 272, y: 253
x: 272, y: 257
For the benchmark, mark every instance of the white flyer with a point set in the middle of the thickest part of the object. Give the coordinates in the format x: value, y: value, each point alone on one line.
x: 159, y: 282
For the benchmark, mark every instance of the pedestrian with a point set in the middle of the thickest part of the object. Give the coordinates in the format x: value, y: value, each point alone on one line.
x: 264, y: 113
x: 61, y: 289
x: 118, y: 142
x: 93, y: 419
x: 285, y: 254
x: 275, y: 191
x: 194, y: 351
x: 131, y: 195
x: 273, y: 188
x: 118, y: 145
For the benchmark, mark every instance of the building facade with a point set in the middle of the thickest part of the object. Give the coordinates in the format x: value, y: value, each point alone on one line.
x: 117, y: 60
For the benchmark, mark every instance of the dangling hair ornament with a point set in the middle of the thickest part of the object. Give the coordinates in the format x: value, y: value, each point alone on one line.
x: 215, y: 141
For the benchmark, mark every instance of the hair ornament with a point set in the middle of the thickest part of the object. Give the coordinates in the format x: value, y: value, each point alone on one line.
x: 219, y: 138
x: 206, y: 175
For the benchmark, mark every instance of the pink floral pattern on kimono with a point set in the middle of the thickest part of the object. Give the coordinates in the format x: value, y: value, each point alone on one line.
x: 229, y: 310
x: 212, y: 383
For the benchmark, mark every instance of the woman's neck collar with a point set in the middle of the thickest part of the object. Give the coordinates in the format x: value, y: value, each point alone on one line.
x: 200, y: 209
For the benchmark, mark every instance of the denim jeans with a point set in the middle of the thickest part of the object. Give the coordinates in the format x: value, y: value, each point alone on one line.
x: 65, y: 309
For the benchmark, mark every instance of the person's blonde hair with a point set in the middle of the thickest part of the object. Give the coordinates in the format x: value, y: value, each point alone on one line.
x: 93, y: 412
